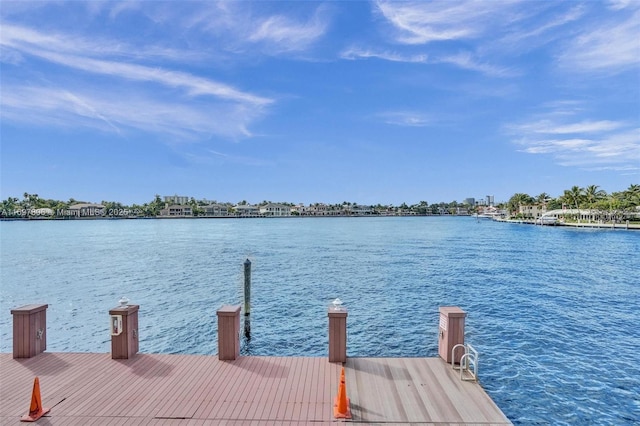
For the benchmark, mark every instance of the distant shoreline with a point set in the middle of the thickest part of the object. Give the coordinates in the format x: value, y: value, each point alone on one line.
x: 74, y: 218
x: 618, y: 226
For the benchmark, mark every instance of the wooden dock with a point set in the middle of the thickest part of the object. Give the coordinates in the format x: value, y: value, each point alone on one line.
x: 152, y: 389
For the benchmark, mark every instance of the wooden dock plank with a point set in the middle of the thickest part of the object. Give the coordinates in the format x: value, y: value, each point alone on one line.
x: 215, y: 399
x: 409, y: 393
x: 247, y: 379
x: 152, y: 389
x: 259, y: 391
x: 435, y: 402
x: 178, y: 399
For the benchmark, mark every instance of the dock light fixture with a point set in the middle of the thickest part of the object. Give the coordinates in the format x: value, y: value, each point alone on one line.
x: 123, y: 302
x: 337, y: 304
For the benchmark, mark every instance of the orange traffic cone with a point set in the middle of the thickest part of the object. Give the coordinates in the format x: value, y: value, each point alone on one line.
x: 341, y: 408
x: 35, y: 411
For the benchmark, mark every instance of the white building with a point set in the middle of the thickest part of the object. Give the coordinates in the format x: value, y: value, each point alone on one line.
x: 274, y: 209
x: 176, y: 199
x: 531, y: 211
x: 215, y: 210
x: 318, y: 209
x: 301, y: 209
x: 176, y: 210
x: 357, y: 209
x: 247, y: 210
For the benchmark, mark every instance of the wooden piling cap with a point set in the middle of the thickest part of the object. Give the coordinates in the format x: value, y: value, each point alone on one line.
x: 29, y: 309
x: 452, y: 311
x: 124, y: 310
x: 228, y: 310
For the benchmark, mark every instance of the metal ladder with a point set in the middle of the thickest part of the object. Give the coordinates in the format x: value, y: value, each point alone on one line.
x: 468, y: 360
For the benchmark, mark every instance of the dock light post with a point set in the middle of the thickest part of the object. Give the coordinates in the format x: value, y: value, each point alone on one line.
x: 247, y: 299
x: 337, y: 332
x: 123, y: 325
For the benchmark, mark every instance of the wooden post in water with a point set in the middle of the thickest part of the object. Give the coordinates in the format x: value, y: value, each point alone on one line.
x: 247, y: 299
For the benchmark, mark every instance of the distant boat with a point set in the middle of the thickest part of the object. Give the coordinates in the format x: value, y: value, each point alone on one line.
x: 489, y: 215
x: 547, y: 220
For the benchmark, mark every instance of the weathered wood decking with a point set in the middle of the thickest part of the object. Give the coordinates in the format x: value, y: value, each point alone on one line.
x: 93, y: 389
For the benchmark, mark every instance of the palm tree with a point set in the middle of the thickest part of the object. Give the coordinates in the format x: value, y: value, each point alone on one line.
x: 573, y: 197
x: 543, y: 199
x: 592, y: 194
x: 632, y: 195
x: 517, y: 200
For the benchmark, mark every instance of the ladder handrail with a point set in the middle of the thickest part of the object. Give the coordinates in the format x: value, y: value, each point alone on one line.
x: 453, y: 353
x: 470, y: 357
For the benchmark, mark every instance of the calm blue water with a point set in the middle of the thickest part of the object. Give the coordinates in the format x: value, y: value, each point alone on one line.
x: 553, y: 311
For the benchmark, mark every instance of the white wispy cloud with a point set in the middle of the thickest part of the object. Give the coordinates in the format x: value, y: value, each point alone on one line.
x: 359, y: 53
x: 500, y: 30
x: 24, y: 39
x: 617, y: 151
x: 552, y: 127
x: 283, y: 34
x: 621, y: 4
x: 168, y: 102
x: 425, y: 22
x: 611, y: 46
x: 535, y: 30
x: 575, y: 142
x: 466, y: 60
x: 251, y: 29
x: 56, y: 49
x: 120, y: 111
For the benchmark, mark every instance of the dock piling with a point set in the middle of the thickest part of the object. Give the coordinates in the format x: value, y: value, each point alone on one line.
x: 247, y: 299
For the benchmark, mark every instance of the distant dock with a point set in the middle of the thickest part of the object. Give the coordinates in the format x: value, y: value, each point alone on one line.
x: 595, y: 225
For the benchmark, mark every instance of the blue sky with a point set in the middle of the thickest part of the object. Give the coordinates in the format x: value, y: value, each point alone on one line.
x: 367, y: 102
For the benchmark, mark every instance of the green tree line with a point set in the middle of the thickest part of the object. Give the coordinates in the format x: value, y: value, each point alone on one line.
x: 588, y: 198
x: 591, y: 197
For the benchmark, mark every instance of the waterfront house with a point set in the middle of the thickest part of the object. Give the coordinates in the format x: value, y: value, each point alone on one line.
x: 176, y: 210
x: 274, y: 209
x: 216, y: 210
x: 317, y: 209
x: 320, y: 209
x: 247, y: 210
x: 358, y: 210
x: 300, y: 209
x: 531, y: 211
